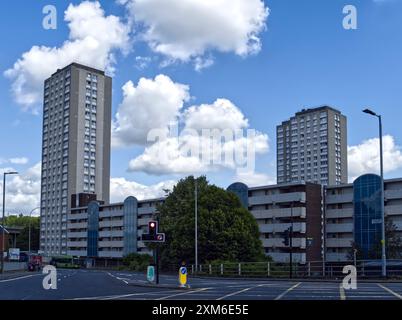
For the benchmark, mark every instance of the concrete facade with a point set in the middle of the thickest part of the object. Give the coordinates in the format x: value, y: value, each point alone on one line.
x: 75, y: 149
x: 312, y: 147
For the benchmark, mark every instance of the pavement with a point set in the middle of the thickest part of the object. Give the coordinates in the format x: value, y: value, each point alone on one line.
x: 117, y: 285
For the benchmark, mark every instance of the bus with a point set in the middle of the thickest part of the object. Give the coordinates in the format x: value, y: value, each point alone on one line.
x: 67, y: 262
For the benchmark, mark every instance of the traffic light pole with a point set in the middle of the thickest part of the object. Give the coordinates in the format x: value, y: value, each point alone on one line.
x: 156, y: 264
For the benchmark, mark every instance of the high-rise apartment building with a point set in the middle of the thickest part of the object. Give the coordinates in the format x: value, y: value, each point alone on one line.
x: 75, y: 149
x: 312, y: 147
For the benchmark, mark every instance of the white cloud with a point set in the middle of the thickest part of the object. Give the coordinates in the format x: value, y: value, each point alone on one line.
x: 188, y: 30
x: 120, y: 188
x: 154, y: 103
x: 23, y: 190
x: 191, y: 152
x: 365, y: 157
x: 92, y: 41
x: 254, y: 179
x: 22, y: 160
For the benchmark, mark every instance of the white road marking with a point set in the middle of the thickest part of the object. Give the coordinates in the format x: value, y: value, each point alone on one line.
x: 390, y: 291
x: 183, y: 293
x: 237, y: 292
x: 342, y: 292
x: 25, y: 277
x: 287, y: 291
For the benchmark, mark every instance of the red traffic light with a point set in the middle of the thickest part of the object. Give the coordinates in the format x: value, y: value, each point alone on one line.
x: 152, y: 224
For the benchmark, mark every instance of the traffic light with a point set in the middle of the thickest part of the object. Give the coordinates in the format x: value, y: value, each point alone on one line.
x: 286, y: 236
x: 152, y: 228
x: 153, y: 234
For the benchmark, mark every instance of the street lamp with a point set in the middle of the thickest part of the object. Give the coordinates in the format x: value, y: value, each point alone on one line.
x: 196, y: 223
x: 383, y: 255
x: 5, y: 174
x: 29, y: 237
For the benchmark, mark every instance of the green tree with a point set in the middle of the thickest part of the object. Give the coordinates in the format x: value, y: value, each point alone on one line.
x: 226, y: 230
x: 393, y: 244
x: 23, y: 238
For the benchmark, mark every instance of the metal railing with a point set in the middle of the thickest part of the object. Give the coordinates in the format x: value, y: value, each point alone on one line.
x: 312, y: 269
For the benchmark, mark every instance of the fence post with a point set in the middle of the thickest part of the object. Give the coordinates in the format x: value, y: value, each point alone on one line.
x: 239, y: 269
x: 200, y: 267
x: 309, y: 269
x: 363, y: 269
x: 192, y: 269
x: 210, y: 269
x: 221, y: 269
x: 269, y: 269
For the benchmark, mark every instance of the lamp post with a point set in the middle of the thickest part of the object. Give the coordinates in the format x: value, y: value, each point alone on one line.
x: 196, y: 223
x: 29, y: 237
x: 383, y: 255
x: 5, y: 174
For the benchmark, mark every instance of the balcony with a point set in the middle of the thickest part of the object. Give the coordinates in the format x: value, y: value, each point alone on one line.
x: 278, y: 213
x: 144, y: 221
x: 146, y: 210
x: 115, y: 233
x: 78, y: 216
x: 115, y: 223
x: 339, y: 213
x: 278, y: 198
x: 339, y: 198
x: 393, y: 194
x: 299, y: 227
x: 339, y: 228
x: 111, y: 244
x: 77, y: 234
x: 77, y: 253
x: 77, y: 244
x: 278, y: 243
x: 337, y: 257
x: 77, y: 225
x: 339, y: 242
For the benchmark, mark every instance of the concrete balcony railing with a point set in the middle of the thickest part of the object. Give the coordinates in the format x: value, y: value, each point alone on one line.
x: 278, y: 198
x: 339, y: 198
x: 143, y: 221
x: 81, y: 234
x: 339, y: 228
x: 393, y: 210
x: 339, y: 213
x: 78, y: 216
x: 110, y: 254
x: 107, y: 213
x: 77, y: 225
x: 283, y: 257
x: 393, y: 194
x: 339, y: 242
x: 299, y: 227
x: 115, y: 223
x: 278, y: 243
x: 117, y: 233
x: 146, y: 210
x: 77, y: 244
x: 110, y: 244
x: 279, y: 213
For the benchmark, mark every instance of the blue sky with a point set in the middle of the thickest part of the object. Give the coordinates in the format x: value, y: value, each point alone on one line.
x: 307, y: 59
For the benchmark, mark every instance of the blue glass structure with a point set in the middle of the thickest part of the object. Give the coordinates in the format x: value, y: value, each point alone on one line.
x: 130, y: 211
x: 367, y: 213
x: 241, y: 190
x: 93, y: 229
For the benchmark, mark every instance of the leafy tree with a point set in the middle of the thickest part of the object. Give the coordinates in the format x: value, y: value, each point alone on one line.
x: 393, y: 244
x: 23, y: 238
x: 226, y: 230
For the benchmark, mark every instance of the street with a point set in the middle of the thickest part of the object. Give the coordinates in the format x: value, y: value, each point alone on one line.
x: 116, y: 285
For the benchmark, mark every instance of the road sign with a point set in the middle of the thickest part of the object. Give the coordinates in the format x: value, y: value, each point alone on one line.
x: 14, y: 254
x: 151, y: 273
x: 183, y: 276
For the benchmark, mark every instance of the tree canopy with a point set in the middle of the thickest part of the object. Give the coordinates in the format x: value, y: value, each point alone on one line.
x: 23, y: 238
x: 226, y: 230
